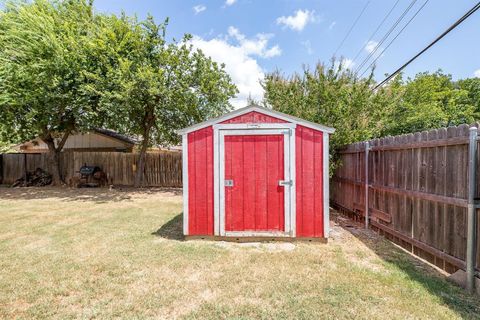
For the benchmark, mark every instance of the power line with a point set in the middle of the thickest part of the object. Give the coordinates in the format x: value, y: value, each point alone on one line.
x: 453, y: 26
x: 351, y: 28
x: 376, y: 30
x: 396, y: 36
x: 385, y: 36
x: 392, y: 28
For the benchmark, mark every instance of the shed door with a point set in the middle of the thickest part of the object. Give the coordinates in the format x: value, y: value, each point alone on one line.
x: 254, y: 166
x: 256, y: 183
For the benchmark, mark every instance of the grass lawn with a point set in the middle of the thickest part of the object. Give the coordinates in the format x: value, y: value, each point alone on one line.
x: 118, y: 254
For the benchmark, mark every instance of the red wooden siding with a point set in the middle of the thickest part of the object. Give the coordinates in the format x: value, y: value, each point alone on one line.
x: 255, y: 163
x: 200, y: 182
x: 309, y: 176
x: 254, y: 117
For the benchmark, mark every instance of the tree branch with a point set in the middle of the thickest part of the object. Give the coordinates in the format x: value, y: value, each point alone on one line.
x: 62, y: 142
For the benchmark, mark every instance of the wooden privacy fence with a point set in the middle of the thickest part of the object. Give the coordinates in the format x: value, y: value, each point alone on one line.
x: 415, y: 189
x: 162, y: 169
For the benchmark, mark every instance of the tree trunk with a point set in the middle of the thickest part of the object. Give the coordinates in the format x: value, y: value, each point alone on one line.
x: 54, y: 159
x: 54, y: 156
x: 141, y: 164
x: 149, y: 121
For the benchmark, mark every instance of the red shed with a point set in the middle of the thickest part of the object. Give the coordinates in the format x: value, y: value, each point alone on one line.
x: 256, y: 172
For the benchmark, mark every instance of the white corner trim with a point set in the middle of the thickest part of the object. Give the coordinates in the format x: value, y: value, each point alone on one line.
x: 269, y: 112
x: 326, y: 187
x: 185, y: 182
x: 216, y: 185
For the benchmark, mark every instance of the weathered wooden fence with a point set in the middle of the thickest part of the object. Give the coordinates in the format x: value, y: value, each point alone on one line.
x: 162, y: 169
x: 417, y: 191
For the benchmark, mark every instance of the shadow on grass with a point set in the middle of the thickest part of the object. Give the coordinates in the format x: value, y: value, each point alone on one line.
x: 172, y: 230
x: 96, y: 195
x: 457, y: 299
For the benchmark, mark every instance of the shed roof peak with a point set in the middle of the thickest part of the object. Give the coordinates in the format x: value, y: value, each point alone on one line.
x: 260, y: 109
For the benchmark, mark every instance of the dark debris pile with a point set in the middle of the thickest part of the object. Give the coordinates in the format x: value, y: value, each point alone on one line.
x: 37, y: 178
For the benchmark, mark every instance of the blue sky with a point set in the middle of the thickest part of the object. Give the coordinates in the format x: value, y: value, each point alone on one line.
x: 257, y: 37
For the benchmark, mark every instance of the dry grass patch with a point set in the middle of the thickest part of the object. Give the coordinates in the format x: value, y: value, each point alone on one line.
x: 118, y: 254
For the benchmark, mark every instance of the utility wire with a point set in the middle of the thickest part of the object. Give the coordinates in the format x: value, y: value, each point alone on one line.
x: 376, y: 30
x: 351, y: 28
x: 392, y: 28
x: 453, y: 26
x: 396, y: 36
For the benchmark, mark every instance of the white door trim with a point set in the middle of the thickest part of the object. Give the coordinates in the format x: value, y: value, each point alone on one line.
x: 219, y: 133
x: 326, y: 187
x: 231, y: 126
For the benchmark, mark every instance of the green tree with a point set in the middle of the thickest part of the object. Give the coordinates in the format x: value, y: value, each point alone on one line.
x: 332, y: 95
x: 472, y: 86
x: 431, y: 100
x: 153, y: 87
x: 43, y: 64
x: 66, y: 69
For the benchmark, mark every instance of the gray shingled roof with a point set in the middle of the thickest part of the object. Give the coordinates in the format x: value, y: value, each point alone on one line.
x: 116, y: 135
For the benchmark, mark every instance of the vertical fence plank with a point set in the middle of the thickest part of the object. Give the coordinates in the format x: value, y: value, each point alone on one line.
x: 418, y: 191
x: 163, y: 169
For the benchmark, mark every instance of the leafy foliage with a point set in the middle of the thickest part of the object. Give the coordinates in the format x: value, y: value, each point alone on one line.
x: 472, y: 87
x: 432, y: 101
x: 43, y: 66
x: 152, y: 84
x: 64, y: 68
x: 150, y: 87
x: 334, y: 96
x: 331, y: 95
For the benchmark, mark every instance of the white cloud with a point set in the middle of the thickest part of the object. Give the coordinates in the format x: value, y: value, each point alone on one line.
x: 239, y: 54
x: 370, y: 46
x: 308, y: 46
x: 330, y: 27
x: 345, y: 62
x: 255, y: 46
x: 477, y: 73
x: 348, y: 63
x: 199, y: 8
x: 230, y: 2
x: 297, y: 21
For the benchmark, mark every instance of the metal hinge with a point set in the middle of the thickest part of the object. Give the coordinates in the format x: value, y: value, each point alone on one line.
x: 228, y: 183
x: 285, y: 182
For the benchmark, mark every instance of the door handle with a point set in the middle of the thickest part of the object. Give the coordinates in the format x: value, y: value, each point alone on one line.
x: 228, y: 183
x: 284, y: 183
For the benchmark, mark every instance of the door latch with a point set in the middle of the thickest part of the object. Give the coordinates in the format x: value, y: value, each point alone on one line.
x: 228, y: 183
x: 284, y: 183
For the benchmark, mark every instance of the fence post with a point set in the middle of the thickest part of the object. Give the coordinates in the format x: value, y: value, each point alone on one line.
x: 24, y: 169
x: 367, y: 148
x: 1, y: 168
x: 471, y: 213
